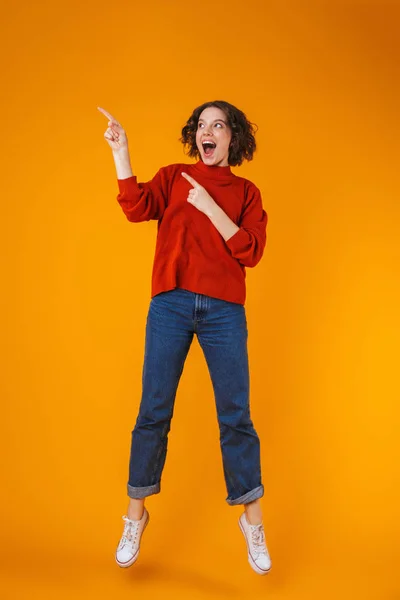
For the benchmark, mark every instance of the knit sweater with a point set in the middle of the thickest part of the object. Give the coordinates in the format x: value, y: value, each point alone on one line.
x: 190, y: 252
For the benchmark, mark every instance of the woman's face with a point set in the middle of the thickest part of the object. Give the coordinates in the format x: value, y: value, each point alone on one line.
x: 213, y: 137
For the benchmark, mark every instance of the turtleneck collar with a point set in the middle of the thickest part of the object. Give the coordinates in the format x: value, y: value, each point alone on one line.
x: 214, y: 172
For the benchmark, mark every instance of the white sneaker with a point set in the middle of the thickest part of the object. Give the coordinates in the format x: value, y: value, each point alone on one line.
x: 258, y: 555
x: 129, y: 545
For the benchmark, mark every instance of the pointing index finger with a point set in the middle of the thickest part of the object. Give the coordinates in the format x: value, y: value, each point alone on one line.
x: 107, y: 114
x: 191, y: 180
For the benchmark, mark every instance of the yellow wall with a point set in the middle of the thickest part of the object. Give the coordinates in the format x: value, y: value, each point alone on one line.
x: 321, y: 82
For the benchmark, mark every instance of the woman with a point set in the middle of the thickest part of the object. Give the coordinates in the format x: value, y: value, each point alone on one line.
x: 211, y: 226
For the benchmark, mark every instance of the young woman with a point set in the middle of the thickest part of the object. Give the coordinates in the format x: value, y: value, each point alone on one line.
x: 211, y: 226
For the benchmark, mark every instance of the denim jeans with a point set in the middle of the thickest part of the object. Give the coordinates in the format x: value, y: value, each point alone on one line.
x: 221, y: 328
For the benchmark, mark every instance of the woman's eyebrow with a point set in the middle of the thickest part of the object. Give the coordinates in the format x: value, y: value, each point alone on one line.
x: 215, y: 120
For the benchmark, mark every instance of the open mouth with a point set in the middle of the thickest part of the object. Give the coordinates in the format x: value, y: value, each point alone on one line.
x: 209, y: 147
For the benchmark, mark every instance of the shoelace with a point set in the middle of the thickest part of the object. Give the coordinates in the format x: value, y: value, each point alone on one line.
x: 130, y: 532
x: 258, y: 538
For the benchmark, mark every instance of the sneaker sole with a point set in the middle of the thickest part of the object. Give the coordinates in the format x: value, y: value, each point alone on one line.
x: 135, y: 556
x: 253, y: 565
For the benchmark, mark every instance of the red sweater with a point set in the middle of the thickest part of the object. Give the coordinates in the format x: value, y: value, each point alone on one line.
x: 190, y: 252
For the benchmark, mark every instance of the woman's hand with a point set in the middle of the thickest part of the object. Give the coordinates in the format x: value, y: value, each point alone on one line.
x: 199, y: 197
x: 114, y: 134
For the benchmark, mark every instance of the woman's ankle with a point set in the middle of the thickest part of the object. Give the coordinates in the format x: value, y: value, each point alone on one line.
x: 253, y: 512
x: 135, y: 509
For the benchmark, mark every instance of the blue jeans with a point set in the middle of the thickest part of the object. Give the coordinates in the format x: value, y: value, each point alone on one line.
x: 221, y: 328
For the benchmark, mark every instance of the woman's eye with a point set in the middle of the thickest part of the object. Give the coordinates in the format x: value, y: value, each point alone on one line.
x: 218, y: 124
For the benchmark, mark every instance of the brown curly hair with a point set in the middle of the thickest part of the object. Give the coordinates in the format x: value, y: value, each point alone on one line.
x: 243, y: 143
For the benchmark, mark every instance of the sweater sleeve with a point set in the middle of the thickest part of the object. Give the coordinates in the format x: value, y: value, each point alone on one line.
x: 143, y: 201
x: 248, y: 243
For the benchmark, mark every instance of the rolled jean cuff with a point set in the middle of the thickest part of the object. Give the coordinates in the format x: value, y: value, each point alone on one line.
x: 142, y: 492
x: 258, y: 492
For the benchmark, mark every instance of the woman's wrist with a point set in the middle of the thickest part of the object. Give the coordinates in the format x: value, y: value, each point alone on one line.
x: 122, y: 163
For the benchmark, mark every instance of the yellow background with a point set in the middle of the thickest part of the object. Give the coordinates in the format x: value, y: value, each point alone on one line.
x: 321, y: 80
